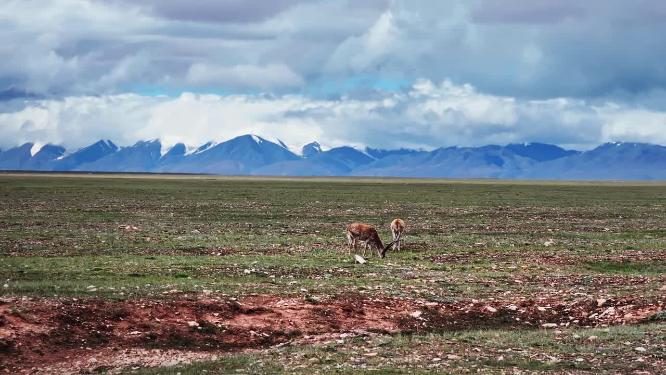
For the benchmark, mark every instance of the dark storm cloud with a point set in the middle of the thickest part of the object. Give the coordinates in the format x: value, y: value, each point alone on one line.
x: 526, y: 48
x: 12, y: 93
x: 234, y: 11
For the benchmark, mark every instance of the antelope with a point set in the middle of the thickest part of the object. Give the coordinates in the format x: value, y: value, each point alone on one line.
x: 397, y: 229
x: 368, y: 234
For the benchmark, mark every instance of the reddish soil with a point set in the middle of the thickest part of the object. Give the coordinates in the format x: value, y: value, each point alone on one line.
x: 48, y: 333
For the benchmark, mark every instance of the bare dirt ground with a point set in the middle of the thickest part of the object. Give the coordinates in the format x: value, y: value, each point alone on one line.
x: 166, y: 276
x: 78, y: 335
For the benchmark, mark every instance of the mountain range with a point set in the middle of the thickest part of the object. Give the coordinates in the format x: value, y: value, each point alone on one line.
x: 254, y: 155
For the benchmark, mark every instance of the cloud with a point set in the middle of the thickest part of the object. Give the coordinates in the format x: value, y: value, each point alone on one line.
x: 530, y: 49
x: 427, y: 115
x: 359, y: 53
x: 527, y: 11
x: 243, y: 76
x: 483, y: 71
x: 236, y: 11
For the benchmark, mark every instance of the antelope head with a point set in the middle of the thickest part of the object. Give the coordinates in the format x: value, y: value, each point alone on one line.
x: 385, y: 249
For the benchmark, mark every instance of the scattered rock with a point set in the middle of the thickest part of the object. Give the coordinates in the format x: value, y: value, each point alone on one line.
x: 608, y: 311
x: 359, y: 259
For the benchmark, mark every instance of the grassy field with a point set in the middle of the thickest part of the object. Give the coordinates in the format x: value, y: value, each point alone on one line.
x: 494, y: 276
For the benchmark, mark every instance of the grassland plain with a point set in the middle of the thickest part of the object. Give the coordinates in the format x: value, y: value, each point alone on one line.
x: 168, y: 274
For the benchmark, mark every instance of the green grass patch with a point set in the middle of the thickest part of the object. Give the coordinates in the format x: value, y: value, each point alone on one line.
x: 627, y: 267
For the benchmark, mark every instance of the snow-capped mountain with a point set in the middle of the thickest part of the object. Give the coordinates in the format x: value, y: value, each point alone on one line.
x: 142, y: 156
x: 240, y: 155
x: 254, y: 155
x: 90, y: 154
x: 17, y: 157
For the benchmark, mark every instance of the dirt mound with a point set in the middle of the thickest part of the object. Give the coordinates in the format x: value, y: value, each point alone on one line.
x: 47, y: 331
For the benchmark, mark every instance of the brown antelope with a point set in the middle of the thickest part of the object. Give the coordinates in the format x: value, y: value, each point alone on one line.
x: 365, y: 233
x: 397, y: 229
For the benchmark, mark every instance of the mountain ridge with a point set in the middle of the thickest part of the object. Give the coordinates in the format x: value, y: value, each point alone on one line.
x: 254, y: 155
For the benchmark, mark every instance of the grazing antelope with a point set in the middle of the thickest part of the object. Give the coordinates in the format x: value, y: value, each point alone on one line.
x: 397, y: 229
x: 365, y: 233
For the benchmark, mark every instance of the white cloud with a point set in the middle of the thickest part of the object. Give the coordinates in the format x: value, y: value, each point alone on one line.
x: 428, y: 115
x: 359, y: 53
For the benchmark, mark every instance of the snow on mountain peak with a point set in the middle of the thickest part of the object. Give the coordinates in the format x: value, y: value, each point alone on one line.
x: 279, y: 142
x: 189, y: 149
x: 364, y: 151
x: 35, y: 148
x: 257, y: 139
x: 164, y: 149
x: 109, y: 144
x: 200, y: 149
x: 311, y: 149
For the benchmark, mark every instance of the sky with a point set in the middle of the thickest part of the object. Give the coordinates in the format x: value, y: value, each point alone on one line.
x: 378, y: 73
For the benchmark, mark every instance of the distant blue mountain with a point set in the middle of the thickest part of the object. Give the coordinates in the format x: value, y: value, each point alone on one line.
x: 174, y: 155
x: 380, y: 154
x: 346, y: 158
x: 622, y: 161
x: 254, y: 155
x: 452, y: 162
x: 16, y: 158
x: 338, y: 161
x: 240, y: 155
x: 142, y: 156
x: 540, y: 151
x: 311, y: 149
x: 85, y: 155
x: 45, y: 158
